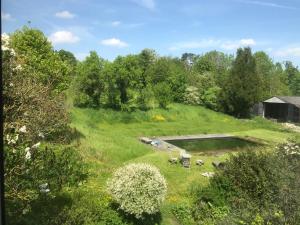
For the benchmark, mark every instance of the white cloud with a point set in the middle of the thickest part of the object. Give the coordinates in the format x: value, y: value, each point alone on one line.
x: 231, y: 45
x: 293, y: 52
x: 6, y: 16
x: 268, y: 4
x: 63, y: 37
x: 116, y: 23
x: 212, y: 43
x: 114, y: 42
x: 64, y: 15
x: 149, y: 4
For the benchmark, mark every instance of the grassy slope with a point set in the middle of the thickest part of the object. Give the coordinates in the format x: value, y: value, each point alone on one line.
x: 111, y: 139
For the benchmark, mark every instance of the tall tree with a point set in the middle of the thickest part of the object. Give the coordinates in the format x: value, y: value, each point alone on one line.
x: 67, y: 57
x: 292, y: 77
x: 127, y: 72
x: 243, y: 88
x: 89, y: 83
x: 39, y: 59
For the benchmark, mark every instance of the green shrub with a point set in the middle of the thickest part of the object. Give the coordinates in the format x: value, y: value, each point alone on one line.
x: 139, y: 189
x: 90, y: 208
x: 163, y: 94
x: 183, y: 213
x: 261, y: 186
x: 191, y: 96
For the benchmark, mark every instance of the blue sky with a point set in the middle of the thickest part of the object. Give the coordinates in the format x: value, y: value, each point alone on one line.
x: 171, y: 27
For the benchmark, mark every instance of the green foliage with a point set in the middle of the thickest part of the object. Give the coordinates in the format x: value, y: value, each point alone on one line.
x: 30, y: 103
x: 210, y: 98
x: 144, y: 99
x: 271, y: 76
x: 163, y: 94
x: 89, y: 84
x: 68, y: 57
x: 191, y: 96
x: 90, y: 208
x: 33, y: 113
x: 38, y: 60
x: 139, y: 189
x: 183, y: 213
x: 27, y: 168
x: 261, y: 186
x: 243, y: 87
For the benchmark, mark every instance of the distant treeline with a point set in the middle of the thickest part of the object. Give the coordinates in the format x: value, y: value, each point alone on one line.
x: 215, y: 80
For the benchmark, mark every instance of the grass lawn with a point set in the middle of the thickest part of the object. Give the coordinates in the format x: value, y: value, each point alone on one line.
x: 110, y: 140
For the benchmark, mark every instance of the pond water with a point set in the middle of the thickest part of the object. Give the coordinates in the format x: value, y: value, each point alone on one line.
x: 214, y: 146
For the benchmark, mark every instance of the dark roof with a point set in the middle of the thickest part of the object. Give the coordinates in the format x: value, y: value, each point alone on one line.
x: 294, y: 100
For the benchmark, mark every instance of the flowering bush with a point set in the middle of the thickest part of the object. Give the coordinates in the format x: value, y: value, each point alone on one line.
x: 34, y: 169
x: 191, y: 96
x: 138, y: 189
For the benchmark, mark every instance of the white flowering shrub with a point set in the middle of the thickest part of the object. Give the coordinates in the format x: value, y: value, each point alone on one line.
x: 290, y: 148
x: 138, y: 189
x: 191, y: 96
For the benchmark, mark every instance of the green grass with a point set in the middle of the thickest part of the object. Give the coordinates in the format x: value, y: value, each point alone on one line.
x: 110, y: 140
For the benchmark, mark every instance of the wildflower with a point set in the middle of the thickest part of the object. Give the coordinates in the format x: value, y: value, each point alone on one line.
x: 41, y: 135
x: 44, y: 188
x: 27, y: 149
x: 28, y: 155
x: 18, y: 67
x: 23, y: 129
x: 11, y: 84
x: 36, y: 145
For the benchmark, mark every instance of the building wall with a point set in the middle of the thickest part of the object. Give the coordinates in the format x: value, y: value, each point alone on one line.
x: 279, y: 111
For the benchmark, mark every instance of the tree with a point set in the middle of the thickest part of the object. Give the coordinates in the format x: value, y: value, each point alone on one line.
x: 37, y: 163
x: 243, y: 87
x: 189, y: 59
x: 292, y: 77
x: 146, y: 59
x: 67, y: 57
x: 127, y: 71
x: 39, y: 59
x: 171, y: 71
x: 89, y: 83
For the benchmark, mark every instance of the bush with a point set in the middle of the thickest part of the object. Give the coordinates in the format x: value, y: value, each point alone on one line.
x: 90, y: 208
x: 34, y: 113
x: 139, y: 189
x: 183, y: 213
x: 191, y: 96
x: 210, y: 98
x: 259, y: 187
x: 163, y: 94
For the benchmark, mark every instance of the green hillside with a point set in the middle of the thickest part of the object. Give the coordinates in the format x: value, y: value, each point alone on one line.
x: 110, y: 139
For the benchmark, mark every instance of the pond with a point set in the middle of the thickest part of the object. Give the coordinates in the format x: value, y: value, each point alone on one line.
x: 214, y: 146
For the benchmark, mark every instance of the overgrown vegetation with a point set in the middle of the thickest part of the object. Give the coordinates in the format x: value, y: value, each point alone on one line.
x: 259, y: 187
x: 48, y: 153
x: 214, y: 80
x: 39, y: 160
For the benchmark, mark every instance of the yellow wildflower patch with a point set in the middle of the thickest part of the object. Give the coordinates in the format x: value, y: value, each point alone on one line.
x: 159, y: 118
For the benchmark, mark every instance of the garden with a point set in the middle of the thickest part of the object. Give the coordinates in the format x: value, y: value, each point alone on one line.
x: 72, y: 149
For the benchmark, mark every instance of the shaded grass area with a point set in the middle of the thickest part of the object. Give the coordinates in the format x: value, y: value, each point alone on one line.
x: 110, y: 139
